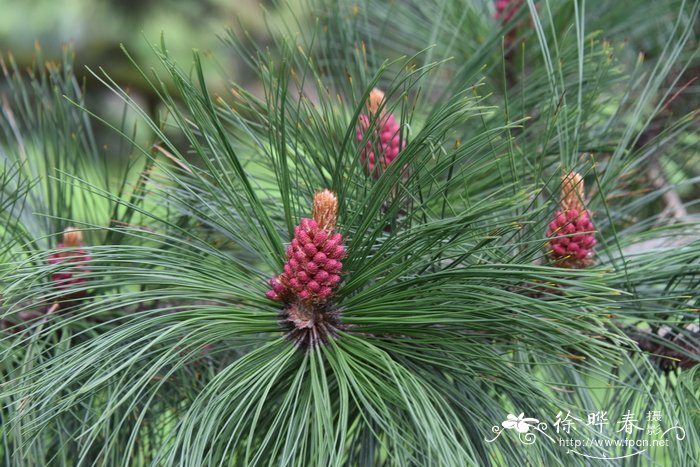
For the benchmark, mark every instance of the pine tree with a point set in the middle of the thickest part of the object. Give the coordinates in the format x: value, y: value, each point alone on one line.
x: 441, y: 231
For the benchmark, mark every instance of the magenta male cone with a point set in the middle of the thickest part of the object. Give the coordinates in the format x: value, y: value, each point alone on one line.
x: 384, y: 142
x: 74, y: 255
x: 572, y: 233
x: 573, y: 239
x: 313, y: 264
x: 506, y: 9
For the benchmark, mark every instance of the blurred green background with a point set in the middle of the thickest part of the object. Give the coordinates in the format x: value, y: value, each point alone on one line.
x: 97, y: 29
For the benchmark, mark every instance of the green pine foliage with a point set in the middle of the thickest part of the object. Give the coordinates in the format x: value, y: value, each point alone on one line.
x: 164, y: 350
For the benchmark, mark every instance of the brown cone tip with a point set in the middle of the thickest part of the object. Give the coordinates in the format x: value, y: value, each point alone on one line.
x: 325, y: 211
x: 72, y: 237
x: 376, y: 96
x: 572, y: 192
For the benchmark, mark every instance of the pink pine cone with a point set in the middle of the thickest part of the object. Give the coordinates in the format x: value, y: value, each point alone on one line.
x: 383, y: 146
x: 78, y: 258
x: 506, y: 9
x: 574, y: 239
x: 313, y: 265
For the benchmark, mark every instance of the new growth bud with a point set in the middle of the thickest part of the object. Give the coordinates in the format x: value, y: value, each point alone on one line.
x: 376, y: 97
x: 325, y: 210
x: 571, y: 192
x: 72, y: 237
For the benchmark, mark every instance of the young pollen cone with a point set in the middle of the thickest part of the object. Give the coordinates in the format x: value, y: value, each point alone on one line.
x: 382, y: 140
x: 313, y: 266
x: 571, y: 232
x: 74, y: 256
x: 310, y: 276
